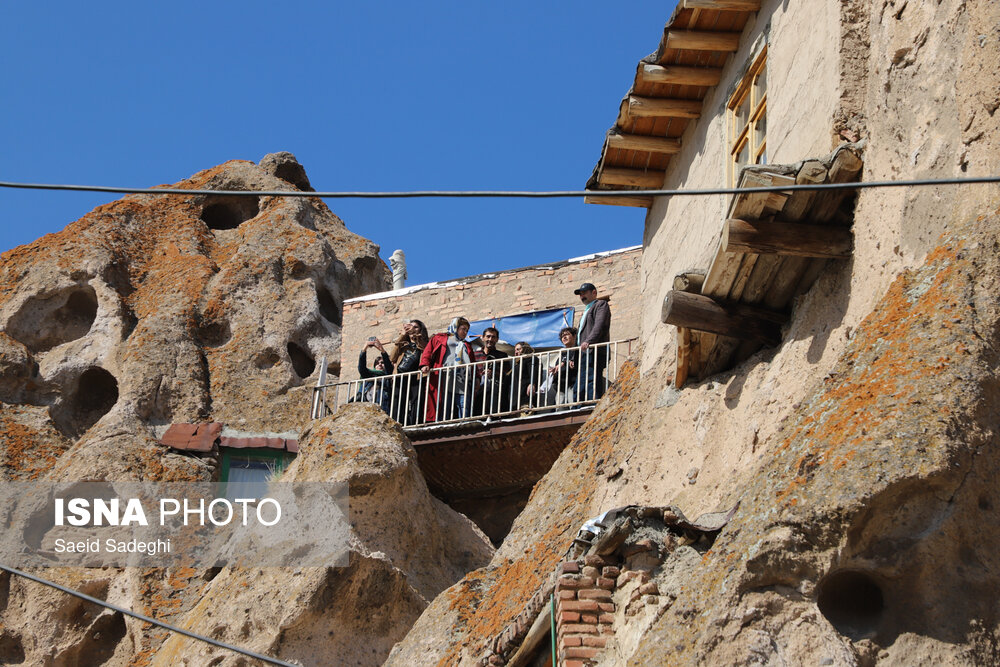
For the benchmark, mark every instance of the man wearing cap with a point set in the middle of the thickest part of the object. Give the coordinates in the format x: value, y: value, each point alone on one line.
x: 595, y: 327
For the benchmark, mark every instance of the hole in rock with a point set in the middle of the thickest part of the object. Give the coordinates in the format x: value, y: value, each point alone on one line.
x: 96, y: 393
x: 11, y: 649
x: 852, y: 601
x: 328, y: 307
x: 266, y: 358
x: 229, y: 212
x: 302, y: 361
x: 44, y: 323
x: 213, y: 333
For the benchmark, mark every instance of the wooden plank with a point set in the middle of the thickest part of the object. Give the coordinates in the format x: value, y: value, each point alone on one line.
x: 736, y: 320
x: 638, y: 142
x: 683, y: 356
x: 700, y: 340
x: 638, y: 202
x: 683, y: 76
x: 765, y: 270
x: 742, y: 277
x: 845, y: 168
x: 660, y: 107
x: 783, y: 285
x: 811, y: 172
x: 699, y: 40
x: 723, y: 5
x: 786, y: 238
x: 639, y: 178
x: 719, y: 355
x: 538, y: 632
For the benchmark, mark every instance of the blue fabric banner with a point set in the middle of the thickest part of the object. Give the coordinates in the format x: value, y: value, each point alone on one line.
x: 539, y: 328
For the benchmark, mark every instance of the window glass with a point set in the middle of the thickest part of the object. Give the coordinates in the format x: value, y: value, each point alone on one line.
x: 748, y: 119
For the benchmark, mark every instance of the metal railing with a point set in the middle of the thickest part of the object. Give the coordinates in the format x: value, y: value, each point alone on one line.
x: 511, y: 387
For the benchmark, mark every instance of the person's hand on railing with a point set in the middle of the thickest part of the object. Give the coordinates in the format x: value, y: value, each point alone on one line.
x: 584, y: 345
x: 424, y: 370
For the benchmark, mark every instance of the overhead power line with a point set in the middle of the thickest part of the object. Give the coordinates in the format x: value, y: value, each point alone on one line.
x: 523, y: 194
x: 147, y: 619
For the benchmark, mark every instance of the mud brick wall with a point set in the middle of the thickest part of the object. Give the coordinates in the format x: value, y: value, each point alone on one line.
x: 614, y: 273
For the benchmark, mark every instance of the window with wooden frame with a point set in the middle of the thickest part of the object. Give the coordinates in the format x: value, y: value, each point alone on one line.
x: 747, y: 111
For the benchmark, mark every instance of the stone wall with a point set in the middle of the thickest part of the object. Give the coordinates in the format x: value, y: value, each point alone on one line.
x: 614, y: 273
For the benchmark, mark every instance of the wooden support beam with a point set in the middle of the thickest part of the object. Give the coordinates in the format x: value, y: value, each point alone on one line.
x: 639, y: 142
x: 639, y: 202
x: 659, y: 107
x: 696, y: 311
x: 683, y: 76
x: 699, y: 40
x: 683, y: 357
x: 723, y: 5
x: 639, y: 178
x: 689, y: 282
x: 539, y: 630
x: 785, y: 238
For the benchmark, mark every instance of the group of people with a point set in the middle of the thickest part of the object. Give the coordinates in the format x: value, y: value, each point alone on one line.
x: 449, y: 388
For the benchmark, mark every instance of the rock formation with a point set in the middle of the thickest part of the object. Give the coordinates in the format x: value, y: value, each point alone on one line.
x: 406, y: 547
x: 160, y: 309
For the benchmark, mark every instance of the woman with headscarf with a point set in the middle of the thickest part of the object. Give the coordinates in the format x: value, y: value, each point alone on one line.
x: 408, y: 391
x: 449, y: 390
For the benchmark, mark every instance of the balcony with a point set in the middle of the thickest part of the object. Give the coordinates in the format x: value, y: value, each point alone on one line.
x: 486, y: 431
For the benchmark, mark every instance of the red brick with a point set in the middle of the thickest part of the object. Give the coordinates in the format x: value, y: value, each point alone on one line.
x: 594, y: 594
x: 582, y: 652
x: 578, y: 628
x: 591, y: 571
x: 606, y: 606
x: 611, y: 571
x: 568, y: 617
x: 572, y: 641
x: 599, y: 642
x: 607, y: 618
x: 569, y: 567
x: 606, y: 629
x: 649, y: 589
x: 607, y: 584
x: 568, y: 581
x: 574, y: 663
x: 580, y: 605
x: 595, y: 560
x: 566, y: 595
x: 586, y: 582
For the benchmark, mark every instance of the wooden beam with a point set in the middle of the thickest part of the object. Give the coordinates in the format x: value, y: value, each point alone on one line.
x: 683, y: 76
x: 689, y: 282
x: 786, y: 238
x: 539, y: 630
x: 696, y: 311
x: 723, y: 5
x: 683, y: 357
x: 639, y: 178
x: 639, y: 142
x: 699, y: 40
x: 659, y: 107
x: 639, y: 202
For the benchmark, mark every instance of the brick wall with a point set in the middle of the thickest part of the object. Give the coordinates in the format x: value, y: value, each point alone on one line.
x: 614, y: 273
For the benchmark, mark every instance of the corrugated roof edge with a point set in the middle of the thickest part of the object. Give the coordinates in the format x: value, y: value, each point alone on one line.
x: 484, y: 276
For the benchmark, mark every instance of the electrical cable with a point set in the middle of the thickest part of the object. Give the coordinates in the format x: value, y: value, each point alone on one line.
x: 147, y: 619
x: 525, y: 194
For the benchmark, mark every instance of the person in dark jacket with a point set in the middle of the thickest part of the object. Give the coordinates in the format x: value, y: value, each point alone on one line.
x: 563, y: 375
x: 409, y: 390
x: 523, y: 377
x: 376, y: 390
x: 595, y: 328
x: 495, y: 375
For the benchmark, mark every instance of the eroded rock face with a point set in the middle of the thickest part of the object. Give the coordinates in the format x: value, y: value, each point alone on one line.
x: 406, y: 547
x: 174, y: 308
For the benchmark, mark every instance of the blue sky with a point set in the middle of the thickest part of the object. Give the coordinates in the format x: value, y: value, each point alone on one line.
x: 369, y: 96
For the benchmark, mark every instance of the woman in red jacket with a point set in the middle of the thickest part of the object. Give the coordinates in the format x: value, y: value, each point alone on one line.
x: 449, y: 391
